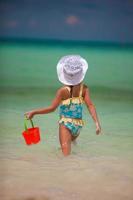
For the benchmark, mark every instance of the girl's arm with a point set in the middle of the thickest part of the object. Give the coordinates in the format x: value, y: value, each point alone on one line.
x: 55, y: 103
x: 92, y: 110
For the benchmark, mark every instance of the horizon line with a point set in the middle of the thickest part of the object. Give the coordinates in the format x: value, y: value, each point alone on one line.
x: 68, y: 42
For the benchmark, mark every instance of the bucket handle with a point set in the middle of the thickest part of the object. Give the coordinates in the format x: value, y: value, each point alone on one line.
x: 25, y: 123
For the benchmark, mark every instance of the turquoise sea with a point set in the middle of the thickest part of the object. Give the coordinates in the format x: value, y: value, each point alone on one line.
x: 100, y: 167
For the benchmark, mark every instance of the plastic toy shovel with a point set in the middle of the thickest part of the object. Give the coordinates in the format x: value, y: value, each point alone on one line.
x: 31, y: 135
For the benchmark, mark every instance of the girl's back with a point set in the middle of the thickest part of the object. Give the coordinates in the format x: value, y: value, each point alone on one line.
x: 72, y: 91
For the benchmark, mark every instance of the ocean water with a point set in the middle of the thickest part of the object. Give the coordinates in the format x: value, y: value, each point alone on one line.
x: 99, y: 167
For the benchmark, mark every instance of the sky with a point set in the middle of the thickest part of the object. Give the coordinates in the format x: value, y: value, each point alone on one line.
x: 96, y: 20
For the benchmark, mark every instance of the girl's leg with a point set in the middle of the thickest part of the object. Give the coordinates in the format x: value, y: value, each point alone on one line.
x: 74, y: 137
x: 65, y: 139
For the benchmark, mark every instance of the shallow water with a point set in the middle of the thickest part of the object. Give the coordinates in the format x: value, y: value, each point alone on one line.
x: 100, y: 167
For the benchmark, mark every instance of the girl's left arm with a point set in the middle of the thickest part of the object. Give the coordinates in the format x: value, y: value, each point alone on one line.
x: 55, y: 103
x: 92, y: 110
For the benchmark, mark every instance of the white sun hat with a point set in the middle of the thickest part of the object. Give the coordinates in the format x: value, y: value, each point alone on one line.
x: 71, y: 69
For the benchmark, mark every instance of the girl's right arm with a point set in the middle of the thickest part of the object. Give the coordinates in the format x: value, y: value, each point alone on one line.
x: 92, y: 110
x: 55, y: 103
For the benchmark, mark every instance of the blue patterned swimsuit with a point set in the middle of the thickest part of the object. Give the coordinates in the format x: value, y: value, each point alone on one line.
x: 71, y: 113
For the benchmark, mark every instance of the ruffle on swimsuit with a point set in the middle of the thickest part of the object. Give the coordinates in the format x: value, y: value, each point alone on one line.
x: 78, y: 122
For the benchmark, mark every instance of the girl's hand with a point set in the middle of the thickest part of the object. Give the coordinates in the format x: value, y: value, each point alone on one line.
x: 29, y: 115
x: 98, y: 129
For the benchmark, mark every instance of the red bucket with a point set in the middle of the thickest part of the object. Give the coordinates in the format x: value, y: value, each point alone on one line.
x: 31, y: 135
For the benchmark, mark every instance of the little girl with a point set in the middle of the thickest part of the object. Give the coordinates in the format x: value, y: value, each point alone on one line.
x: 71, y: 71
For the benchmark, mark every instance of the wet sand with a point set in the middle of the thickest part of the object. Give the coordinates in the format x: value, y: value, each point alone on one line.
x: 75, y: 177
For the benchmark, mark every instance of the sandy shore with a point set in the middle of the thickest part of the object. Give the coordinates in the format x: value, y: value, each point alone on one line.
x: 103, y: 178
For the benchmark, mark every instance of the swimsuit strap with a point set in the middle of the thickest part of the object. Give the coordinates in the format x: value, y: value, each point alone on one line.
x: 68, y: 88
x: 81, y: 90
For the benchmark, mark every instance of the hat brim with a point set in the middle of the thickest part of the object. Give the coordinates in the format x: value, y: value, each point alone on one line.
x: 76, y: 79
